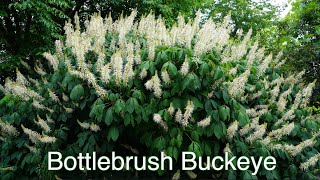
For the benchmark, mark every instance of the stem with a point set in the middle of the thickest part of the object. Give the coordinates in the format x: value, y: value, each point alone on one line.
x: 188, y: 137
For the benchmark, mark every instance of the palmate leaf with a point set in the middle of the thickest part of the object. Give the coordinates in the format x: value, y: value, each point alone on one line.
x: 195, y: 147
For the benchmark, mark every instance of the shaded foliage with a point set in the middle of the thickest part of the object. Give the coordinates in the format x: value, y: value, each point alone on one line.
x: 298, y: 36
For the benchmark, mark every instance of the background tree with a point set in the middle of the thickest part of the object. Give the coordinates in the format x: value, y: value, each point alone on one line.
x: 298, y: 35
x: 28, y: 28
x: 245, y: 14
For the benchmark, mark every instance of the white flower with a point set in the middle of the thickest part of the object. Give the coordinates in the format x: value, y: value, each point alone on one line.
x: 53, y: 96
x: 8, y: 129
x: 143, y: 74
x: 137, y: 54
x: 171, y: 109
x: 285, y: 130
x: 310, y: 162
x: 266, y: 140
x: 33, y: 136
x: 232, y: 129
x: 205, y: 122
x: 282, y: 103
x: 245, y: 130
x: 117, y: 66
x: 154, y: 84
x: 157, y: 118
x: 265, y: 64
x: 258, y: 134
x: 307, y: 93
x: 32, y: 148
x: 105, y: 73
x: 187, y: 114
x: 49, y: 120
x: 94, y: 127
x: 43, y: 124
x: 68, y: 110
x: 238, y: 84
x: 84, y: 125
x: 149, y: 84
x: 39, y: 70
x: 53, y: 60
x: 21, y: 79
x: 47, y: 139
x: 178, y: 116
x: 184, y: 68
x: 37, y: 105
x: 233, y: 71
x: 157, y: 86
x: 165, y: 77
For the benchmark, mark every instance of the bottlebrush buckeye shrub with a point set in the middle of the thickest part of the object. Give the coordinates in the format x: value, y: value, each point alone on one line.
x: 142, y: 88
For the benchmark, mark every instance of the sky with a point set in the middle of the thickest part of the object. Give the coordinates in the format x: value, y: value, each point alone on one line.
x: 283, y: 3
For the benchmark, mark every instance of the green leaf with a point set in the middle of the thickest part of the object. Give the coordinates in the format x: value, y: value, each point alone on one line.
x: 197, y: 104
x: 195, y: 147
x: 219, y: 73
x: 224, y: 112
x: 219, y: 129
x: 204, y: 69
x: 173, y: 152
x: 109, y: 117
x: 166, y: 116
x: 293, y: 170
x: 179, y: 140
x: 119, y: 106
x: 208, y: 106
x: 172, y: 69
x: 97, y: 112
x: 127, y: 119
x: 138, y: 95
x: 130, y: 105
x: 77, y: 92
x: 247, y: 175
x: 225, y: 96
x: 164, y: 56
x: 207, y: 149
x: 174, y: 132
x: 113, y: 133
x: 243, y: 118
x: 187, y: 81
x: 215, y: 115
x: 231, y: 175
x: 195, y: 136
x: 160, y: 143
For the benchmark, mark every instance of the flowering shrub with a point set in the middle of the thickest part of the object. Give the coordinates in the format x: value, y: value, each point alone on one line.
x: 141, y: 88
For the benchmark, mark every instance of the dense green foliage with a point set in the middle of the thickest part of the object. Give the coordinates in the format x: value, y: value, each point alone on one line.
x: 142, y: 89
x: 28, y: 28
